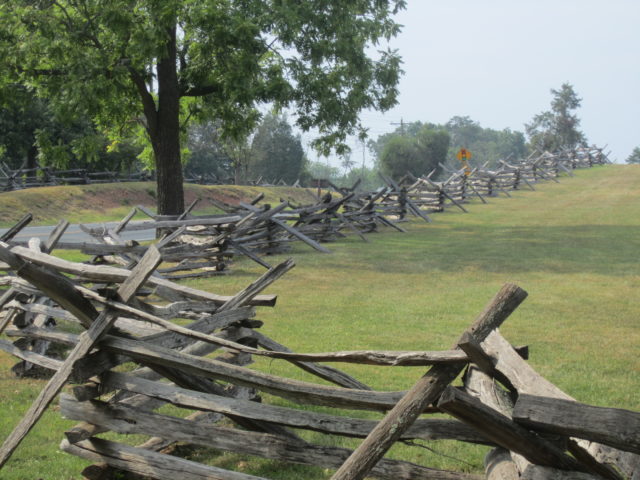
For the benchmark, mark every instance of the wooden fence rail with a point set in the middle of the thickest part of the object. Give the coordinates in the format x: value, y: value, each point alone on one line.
x: 193, y: 349
x: 210, y: 389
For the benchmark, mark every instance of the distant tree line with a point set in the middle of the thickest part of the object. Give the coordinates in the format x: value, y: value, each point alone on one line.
x: 33, y: 130
x: 420, y: 148
x: 271, y: 152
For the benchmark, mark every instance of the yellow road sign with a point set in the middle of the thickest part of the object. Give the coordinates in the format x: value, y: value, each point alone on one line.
x: 463, y: 154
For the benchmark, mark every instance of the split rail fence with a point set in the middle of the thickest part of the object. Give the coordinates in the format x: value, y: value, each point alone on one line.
x: 126, y: 316
x: 193, y: 349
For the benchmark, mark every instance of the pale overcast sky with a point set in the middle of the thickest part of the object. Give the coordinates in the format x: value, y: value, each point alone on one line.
x: 496, y: 61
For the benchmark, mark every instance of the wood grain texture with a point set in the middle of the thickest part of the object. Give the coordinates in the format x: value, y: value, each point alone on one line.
x: 611, y: 426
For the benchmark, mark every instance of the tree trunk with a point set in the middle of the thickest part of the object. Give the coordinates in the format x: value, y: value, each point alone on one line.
x: 32, y: 155
x: 165, y: 138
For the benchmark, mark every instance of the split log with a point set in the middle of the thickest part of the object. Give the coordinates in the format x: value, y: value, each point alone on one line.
x: 611, y: 426
x: 480, y: 385
x: 107, y: 274
x: 499, y: 466
x: 426, y: 429
x: 149, y: 464
x: 425, y: 391
x: 164, y: 224
x: 538, y: 472
x: 100, y: 361
x: 300, y: 236
x: 503, y: 431
x: 31, y: 357
x: 55, y: 236
x: 14, y: 230
x: 101, y: 324
x: 298, y: 391
x: 525, y: 380
x: 129, y: 420
x: 325, y: 372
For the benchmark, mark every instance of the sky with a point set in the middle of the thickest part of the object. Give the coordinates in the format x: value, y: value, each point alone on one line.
x: 497, y: 60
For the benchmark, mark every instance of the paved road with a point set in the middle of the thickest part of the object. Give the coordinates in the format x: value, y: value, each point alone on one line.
x: 75, y: 235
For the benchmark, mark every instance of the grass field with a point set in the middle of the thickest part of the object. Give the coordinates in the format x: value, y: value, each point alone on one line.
x: 573, y: 246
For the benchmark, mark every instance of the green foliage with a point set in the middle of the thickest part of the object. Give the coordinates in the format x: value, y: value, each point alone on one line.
x: 377, y: 146
x: 369, y: 179
x: 207, y: 154
x: 635, y: 156
x: 142, y: 62
x: 31, y: 131
x: 276, y: 152
x: 21, y: 116
x: 322, y: 170
x: 485, y: 144
x: 433, y: 145
x: 401, y: 155
x: 417, y: 155
x: 557, y: 129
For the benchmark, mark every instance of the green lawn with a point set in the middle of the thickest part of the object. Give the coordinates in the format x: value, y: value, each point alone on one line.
x: 573, y: 246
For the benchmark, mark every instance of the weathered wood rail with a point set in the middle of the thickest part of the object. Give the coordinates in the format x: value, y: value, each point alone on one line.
x: 46, y: 176
x: 200, y: 246
x: 139, y: 326
x: 422, y: 196
x: 194, y: 349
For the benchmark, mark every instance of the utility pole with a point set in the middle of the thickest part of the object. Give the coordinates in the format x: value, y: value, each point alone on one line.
x: 401, y: 125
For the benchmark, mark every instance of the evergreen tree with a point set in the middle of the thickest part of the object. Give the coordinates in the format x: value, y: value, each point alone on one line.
x: 635, y: 156
x: 276, y: 152
x: 557, y: 129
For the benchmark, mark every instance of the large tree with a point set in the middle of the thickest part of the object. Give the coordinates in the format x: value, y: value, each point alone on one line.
x: 557, y: 128
x: 159, y: 63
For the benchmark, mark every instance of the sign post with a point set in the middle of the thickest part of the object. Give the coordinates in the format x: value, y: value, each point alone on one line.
x: 464, y: 155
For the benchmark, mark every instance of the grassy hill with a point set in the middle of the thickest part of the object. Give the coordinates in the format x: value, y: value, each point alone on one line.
x: 85, y: 203
x: 573, y: 246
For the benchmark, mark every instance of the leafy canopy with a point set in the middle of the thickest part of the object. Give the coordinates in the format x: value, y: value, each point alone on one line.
x: 312, y: 57
x: 417, y: 155
x: 486, y: 144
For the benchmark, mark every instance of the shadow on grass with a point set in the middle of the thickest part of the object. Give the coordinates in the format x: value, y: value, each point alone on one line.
x: 597, y: 249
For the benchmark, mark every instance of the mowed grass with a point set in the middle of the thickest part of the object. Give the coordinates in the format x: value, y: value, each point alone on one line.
x: 572, y: 246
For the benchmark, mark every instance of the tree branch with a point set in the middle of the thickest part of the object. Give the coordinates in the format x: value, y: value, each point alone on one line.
x: 148, y: 102
x: 200, y: 91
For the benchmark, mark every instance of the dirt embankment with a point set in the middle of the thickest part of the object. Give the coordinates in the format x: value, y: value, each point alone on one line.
x: 112, y: 201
